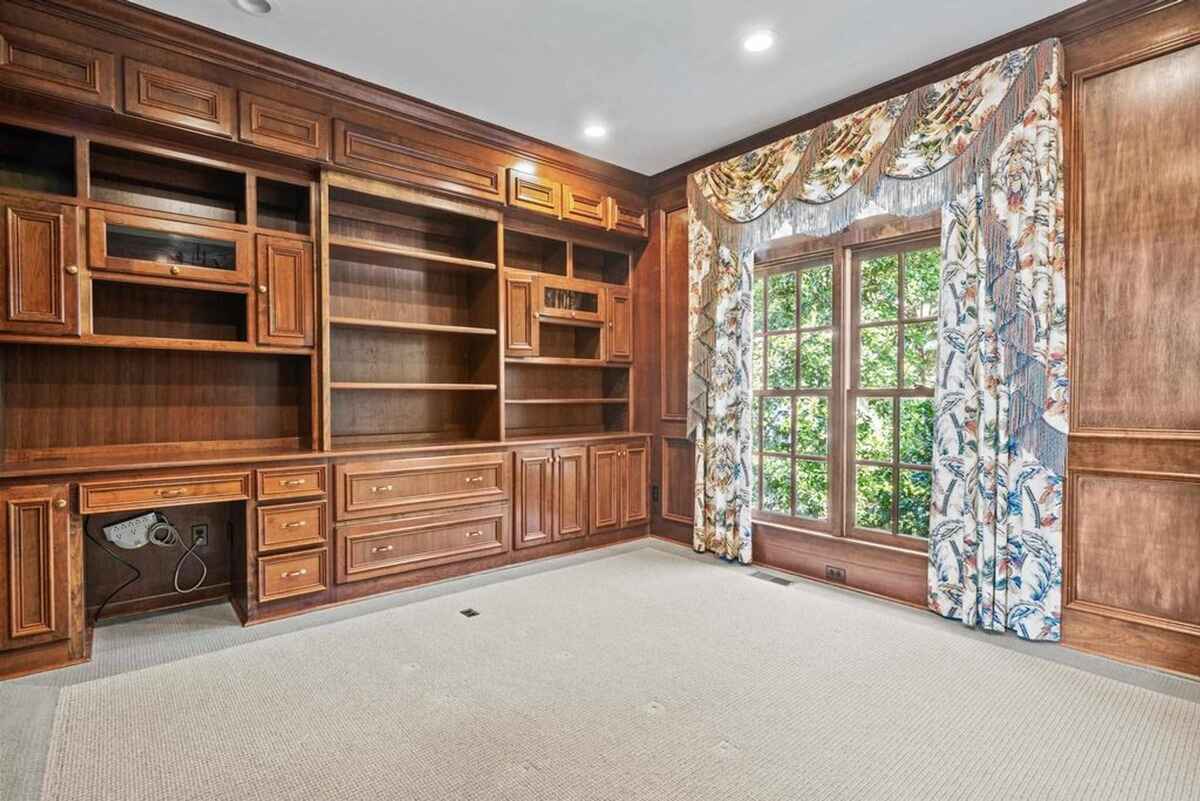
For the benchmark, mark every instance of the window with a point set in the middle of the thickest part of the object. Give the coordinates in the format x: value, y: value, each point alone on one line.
x: 794, y: 387
x: 843, y: 388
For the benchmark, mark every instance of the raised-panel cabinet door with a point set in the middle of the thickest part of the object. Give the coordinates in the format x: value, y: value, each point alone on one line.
x: 605, y: 486
x: 41, y: 273
x: 520, y: 304
x: 285, y: 292
x: 533, y: 511
x: 571, y: 493
x: 620, y: 325
x: 35, y: 566
x: 635, y: 479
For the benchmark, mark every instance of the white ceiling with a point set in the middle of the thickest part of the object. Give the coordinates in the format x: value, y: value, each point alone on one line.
x: 668, y: 77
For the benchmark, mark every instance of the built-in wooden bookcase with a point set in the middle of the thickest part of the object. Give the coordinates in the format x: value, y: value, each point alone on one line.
x: 568, y: 340
x: 413, y: 316
x: 151, y: 301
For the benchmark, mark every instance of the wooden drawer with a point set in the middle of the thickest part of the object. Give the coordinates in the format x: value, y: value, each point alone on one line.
x: 415, y: 162
x: 374, y: 489
x: 164, y: 95
x: 283, y: 128
x: 154, y: 493
x: 534, y: 194
x: 293, y: 525
x: 143, y: 245
x: 369, y: 550
x: 281, y: 483
x: 292, y: 574
x: 43, y: 63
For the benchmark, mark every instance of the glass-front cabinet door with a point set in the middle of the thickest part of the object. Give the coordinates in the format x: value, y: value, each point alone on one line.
x: 139, y: 244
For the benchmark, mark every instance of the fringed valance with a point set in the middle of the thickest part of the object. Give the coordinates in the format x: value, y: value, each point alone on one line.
x: 909, y: 155
x: 986, y: 148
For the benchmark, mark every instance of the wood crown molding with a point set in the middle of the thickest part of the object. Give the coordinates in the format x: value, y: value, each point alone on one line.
x: 1085, y: 19
x: 123, y: 18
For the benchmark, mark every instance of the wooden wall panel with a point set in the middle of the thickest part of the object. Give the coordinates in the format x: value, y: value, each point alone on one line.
x: 1136, y: 543
x: 1137, y: 359
x: 678, y: 479
x: 674, y: 310
x: 1131, y: 548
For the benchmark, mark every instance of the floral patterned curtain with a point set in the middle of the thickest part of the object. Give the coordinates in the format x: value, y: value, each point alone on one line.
x: 986, y: 147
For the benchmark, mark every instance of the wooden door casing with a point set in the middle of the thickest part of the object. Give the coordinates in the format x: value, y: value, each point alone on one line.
x: 286, y: 313
x: 40, y: 273
x: 534, y: 506
x: 570, y: 493
x: 36, y: 565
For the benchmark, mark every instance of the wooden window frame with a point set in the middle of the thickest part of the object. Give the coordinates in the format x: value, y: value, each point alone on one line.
x: 857, y: 255
x: 832, y: 458
x: 871, y: 236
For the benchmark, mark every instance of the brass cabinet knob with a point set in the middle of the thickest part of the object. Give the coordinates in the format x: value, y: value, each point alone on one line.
x: 72, y: 269
x: 176, y: 270
x: 60, y: 503
x: 262, y: 289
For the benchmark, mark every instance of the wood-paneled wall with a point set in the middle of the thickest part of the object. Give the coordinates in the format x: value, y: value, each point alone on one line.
x: 1132, y: 529
x: 1132, y: 552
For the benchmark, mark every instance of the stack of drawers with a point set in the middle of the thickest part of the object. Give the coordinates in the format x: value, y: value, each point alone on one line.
x: 406, y: 514
x: 293, y: 521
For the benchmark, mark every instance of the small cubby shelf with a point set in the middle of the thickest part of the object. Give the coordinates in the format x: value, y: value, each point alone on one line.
x: 35, y: 161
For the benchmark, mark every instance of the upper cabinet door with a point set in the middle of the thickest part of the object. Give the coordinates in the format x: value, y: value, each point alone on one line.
x: 628, y: 218
x: 164, y: 95
x: 582, y: 206
x: 285, y: 293
x: 570, y: 493
x: 533, y: 510
x: 405, y: 154
x: 143, y: 245
x: 40, y: 274
x: 35, y: 565
x: 620, y: 325
x: 521, y: 326
x: 635, y: 479
x: 286, y: 129
x: 534, y: 194
x: 43, y: 63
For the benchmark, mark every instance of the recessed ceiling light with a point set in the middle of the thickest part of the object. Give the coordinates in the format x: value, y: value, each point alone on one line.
x: 759, y: 41
x: 256, y: 7
x: 595, y: 131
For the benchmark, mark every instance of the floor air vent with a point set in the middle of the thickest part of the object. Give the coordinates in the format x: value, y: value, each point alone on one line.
x: 758, y: 574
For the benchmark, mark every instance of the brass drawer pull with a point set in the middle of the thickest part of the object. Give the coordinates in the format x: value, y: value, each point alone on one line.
x: 294, y: 482
x: 296, y: 524
x: 476, y: 533
x: 176, y: 270
x: 60, y: 504
x: 72, y: 269
x: 474, y: 479
x: 383, y: 488
x: 171, y: 493
x: 296, y: 573
x: 382, y: 548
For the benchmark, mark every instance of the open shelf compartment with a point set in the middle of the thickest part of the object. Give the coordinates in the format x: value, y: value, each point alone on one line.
x: 35, y: 161
x: 147, y: 181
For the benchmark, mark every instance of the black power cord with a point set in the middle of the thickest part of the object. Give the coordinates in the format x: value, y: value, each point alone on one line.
x: 137, y: 574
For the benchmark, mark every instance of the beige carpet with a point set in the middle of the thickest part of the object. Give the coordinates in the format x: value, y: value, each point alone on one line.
x: 646, y: 675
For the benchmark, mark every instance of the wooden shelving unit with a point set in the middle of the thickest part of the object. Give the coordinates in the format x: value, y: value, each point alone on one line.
x: 567, y: 378
x: 413, y: 317
x: 167, y: 338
